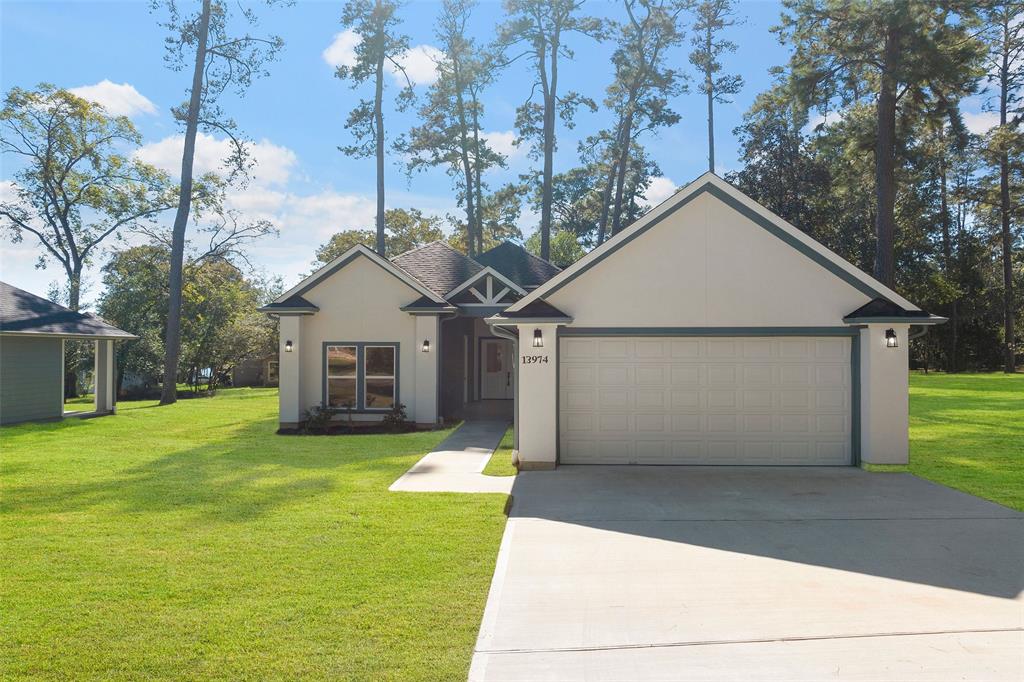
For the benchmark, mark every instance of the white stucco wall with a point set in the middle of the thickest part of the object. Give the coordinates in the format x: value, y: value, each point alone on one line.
x: 538, y: 398
x: 360, y: 303
x: 707, y: 265
x: 885, y: 397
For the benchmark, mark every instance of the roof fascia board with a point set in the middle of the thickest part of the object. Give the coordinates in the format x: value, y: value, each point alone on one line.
x: 892, y: 319
x: 488, y: 270
x: 712, y: 184
x: 102, y: 337
x: 346, y: 258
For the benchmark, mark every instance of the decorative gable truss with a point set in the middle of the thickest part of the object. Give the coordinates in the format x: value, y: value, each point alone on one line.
x: 487, y: 288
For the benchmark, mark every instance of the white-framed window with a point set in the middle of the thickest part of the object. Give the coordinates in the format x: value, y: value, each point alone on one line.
x: 361, y: 376
x: 272, y: 370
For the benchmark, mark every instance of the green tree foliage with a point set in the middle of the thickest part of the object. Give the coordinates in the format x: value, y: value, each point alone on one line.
x: 499, y: 219
x: 406, y: 229
x: 713, y: 17
x: 639, y: 95
x: 76, y: 185
x: 450, y: 133
x: 381, y: 46
x: 220, y: 326
x: 537, y: 30
x: 565, y: 249
x: 907, y: 59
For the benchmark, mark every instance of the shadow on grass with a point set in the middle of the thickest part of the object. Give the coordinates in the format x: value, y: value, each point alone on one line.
x: 248, y: 472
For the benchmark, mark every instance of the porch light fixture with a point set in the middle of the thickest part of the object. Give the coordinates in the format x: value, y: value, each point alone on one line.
x: 538, y: 339
x: 426, y: 346
x: 288, y: 346
x: 890, y: 339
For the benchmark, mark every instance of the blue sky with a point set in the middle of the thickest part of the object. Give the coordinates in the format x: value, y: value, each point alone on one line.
x: 113, y: 52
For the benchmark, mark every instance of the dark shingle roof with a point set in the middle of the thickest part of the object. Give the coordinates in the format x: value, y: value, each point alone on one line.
x: 539, y: 309
x: 25, y: 313
x: 438, y: 266
x: 518, y: 264
x: 290, y: 303
x: 425, y: 304
x: 879, y: 307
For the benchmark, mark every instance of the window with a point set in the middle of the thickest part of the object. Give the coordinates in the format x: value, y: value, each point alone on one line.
x: 361, y: 376
x: 272, y: 371
x: 379, y: 373
x: 341, y: 376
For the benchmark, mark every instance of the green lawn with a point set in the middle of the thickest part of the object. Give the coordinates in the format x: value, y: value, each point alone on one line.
x: 500, y: 463
x: 967, y: 432
x: 192, y: 542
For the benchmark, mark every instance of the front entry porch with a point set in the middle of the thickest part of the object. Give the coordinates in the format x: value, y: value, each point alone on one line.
x: 486, y: 410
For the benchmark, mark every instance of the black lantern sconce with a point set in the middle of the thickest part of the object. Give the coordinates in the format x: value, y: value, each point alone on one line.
x: 288, y: 346
x: 538, y: 339
x: 426, y: 346
x: 890, y: 339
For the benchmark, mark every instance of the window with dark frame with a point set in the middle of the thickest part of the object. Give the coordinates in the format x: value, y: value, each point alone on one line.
x: 361, y: 376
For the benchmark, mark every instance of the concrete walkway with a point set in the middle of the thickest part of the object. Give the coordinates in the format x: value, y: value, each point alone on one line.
x: 455, y: 466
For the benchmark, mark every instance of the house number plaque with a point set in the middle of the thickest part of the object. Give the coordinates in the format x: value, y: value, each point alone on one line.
x: 533, y: 359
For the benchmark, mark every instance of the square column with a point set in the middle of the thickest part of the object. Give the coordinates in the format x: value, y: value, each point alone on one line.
x: 427, y: 365
x: 289, y: 371
x: 106, y: 382
x: 537, y: 397
x: 884, y: 395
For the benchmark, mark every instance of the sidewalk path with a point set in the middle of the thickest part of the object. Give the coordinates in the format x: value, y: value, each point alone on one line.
x: 455, y: 466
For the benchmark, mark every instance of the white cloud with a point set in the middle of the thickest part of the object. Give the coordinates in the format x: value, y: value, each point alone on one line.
x: 980, y: 122
x: 660, y: 189
x: 420, y: 61
x: 503, y: 142
x: 273, y: 165
x: 118, y: 99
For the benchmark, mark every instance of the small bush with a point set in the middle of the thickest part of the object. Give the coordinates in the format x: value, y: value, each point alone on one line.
x: 316, y: 419
x: 396, y: 420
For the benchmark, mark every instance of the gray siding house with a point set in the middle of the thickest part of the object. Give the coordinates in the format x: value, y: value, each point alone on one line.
x: 32, y: 335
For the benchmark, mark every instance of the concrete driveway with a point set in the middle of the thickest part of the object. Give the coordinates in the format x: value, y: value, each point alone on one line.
x: 705, y: 573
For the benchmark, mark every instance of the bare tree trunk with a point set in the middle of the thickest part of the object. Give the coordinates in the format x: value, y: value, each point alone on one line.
x: 947, y: 256
x: 378, y: 122
x: 72, y: 360
x: 622, y: 163
x: 467, y: 168
x: 709, y: 85
x: 606, y: 200
x: 885, y: 162
x: 172, y: 342
x: 550, y: 90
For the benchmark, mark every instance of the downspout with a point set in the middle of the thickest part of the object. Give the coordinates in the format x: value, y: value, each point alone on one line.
x: 514, y: 338
x: 918, y: 334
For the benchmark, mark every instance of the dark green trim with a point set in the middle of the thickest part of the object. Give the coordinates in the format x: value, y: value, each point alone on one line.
x: 855, y: 397
x: 361, y: 375
x: 757, y: 218
x: 708, y: 331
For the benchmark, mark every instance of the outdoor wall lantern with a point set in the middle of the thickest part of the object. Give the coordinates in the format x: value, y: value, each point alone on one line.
x: 288, y: 346
x: 538, y: 339
x: 890, y: 338
x: 426, y: 346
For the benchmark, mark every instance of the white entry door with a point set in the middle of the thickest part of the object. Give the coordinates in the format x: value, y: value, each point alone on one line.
x: 743, y: 400
x: 495, y: 369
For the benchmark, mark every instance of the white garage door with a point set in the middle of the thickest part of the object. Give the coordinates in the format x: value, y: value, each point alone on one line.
x: 744, y: 400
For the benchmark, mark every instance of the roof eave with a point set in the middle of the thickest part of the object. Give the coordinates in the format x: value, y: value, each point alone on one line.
x: 896, y: 319
x: 102, y: 337
x: 501, y: 319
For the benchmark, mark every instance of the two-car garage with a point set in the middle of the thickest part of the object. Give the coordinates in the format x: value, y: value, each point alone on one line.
x: 728, y: 400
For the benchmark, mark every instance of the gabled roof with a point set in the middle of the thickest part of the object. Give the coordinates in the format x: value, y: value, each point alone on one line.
x: 344, y: 259
x: 518, y: 264
x: 424, y: 304
x: 881, y: 310
x: 24, y: 313
x: 537, y: 311
x: 293, y: 304
x: 709, y: 183
x: 438, y: 266
x: 478, y: 276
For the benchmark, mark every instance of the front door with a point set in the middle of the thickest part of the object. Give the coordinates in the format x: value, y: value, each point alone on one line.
x: 495, y: 369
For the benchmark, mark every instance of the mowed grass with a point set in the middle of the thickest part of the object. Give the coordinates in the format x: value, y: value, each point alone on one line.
x: 190, y: 541
x: 967, y: 432
x: 500, y: 463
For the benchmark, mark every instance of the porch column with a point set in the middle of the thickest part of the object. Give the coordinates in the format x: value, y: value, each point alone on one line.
x: 537, y: 397
x: 884, y: 395
x: 290, y: 371
x: 106, y: 383
x: 427, y: 366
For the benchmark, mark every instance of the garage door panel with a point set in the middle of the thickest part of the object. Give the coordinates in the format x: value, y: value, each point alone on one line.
x: 755, y: 401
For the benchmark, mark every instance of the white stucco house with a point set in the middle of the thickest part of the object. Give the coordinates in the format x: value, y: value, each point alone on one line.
x: 711, y: 331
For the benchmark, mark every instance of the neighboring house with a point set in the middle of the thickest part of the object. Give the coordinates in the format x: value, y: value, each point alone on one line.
x: 710, y: 331
x: 32, y: 335
x: 255, y: 371
x: 365, y: 333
